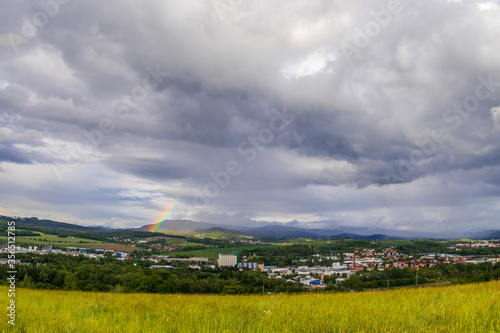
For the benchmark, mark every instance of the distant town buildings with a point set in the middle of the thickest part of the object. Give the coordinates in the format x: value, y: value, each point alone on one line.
x: 250, y: 265
x: 227, y: 260
x: 305, y: 270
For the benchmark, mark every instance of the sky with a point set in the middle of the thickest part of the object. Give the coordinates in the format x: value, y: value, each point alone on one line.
x: 382, y: 114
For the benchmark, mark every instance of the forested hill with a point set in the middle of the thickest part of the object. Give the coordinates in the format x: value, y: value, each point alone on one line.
x: 68, y: 229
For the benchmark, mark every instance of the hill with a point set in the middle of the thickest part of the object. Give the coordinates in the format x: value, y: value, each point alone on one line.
x: 179, y: 228
x: 268, y: 231
x: 64, y: 229
x: 284, y: 231
x: 487, y: 234
x: 180, y: 225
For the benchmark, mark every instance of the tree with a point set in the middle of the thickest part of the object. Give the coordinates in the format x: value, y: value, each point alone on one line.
x: 233, y: 290
x: 70, y: 282
x: 26, y: 283
x: 226, y: 274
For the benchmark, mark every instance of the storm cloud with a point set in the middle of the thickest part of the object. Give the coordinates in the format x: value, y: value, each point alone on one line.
x: 381, y: 114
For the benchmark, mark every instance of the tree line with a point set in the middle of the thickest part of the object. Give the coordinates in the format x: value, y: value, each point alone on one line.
x: 61, y: 272
x: 455, y: 273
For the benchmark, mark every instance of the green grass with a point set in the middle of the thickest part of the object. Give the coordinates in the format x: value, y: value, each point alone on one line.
x: 218, y: 235
x: 60, y: 241
x: 462, y: 308
x: 174, y: 241
x: 394, y: 243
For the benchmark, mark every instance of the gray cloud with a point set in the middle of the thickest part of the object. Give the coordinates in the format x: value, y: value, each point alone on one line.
x: 116, y: 110
x: 8, y: 153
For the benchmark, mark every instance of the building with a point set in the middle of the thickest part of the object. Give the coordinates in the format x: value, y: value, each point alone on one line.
x: 6, y: 261
x: 227, y: 260
x: 193, y: 259
x: 311, y: 282
x: 250, y: 265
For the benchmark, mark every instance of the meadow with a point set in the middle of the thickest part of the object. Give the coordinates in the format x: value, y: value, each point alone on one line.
x: 64, y: 242
x: 460, y: 308
x: 214, y: 234
x: 54, y: 239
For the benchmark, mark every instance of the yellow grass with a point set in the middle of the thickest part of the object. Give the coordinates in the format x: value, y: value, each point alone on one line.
x: 463, y: 308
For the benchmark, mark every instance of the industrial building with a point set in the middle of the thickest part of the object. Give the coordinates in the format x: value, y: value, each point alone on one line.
x: 228, y: 260
x: 250, y: 265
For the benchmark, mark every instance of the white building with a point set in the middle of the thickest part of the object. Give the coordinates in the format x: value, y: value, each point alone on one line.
x: 227, y: 260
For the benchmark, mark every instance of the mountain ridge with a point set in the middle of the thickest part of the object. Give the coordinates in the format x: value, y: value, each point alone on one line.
x: 271, y: 230
x: 275, y: 230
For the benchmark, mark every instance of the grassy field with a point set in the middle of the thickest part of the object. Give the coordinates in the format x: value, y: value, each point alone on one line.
x: 462, y: 308
x: 181, y: 242
x: 67, y: 242
x: 218, y: 235
x: 394, y: 243
x: 60, y: 241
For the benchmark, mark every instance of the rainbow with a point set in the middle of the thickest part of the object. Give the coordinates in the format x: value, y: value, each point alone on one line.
x: 165, y: 213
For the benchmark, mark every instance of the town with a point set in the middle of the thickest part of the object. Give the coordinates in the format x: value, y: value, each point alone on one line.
x: 312, y: 271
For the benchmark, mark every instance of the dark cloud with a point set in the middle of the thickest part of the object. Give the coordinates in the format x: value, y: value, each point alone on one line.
x: 8, y: 153
x: 156, y: 169
x: 261, y: 112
